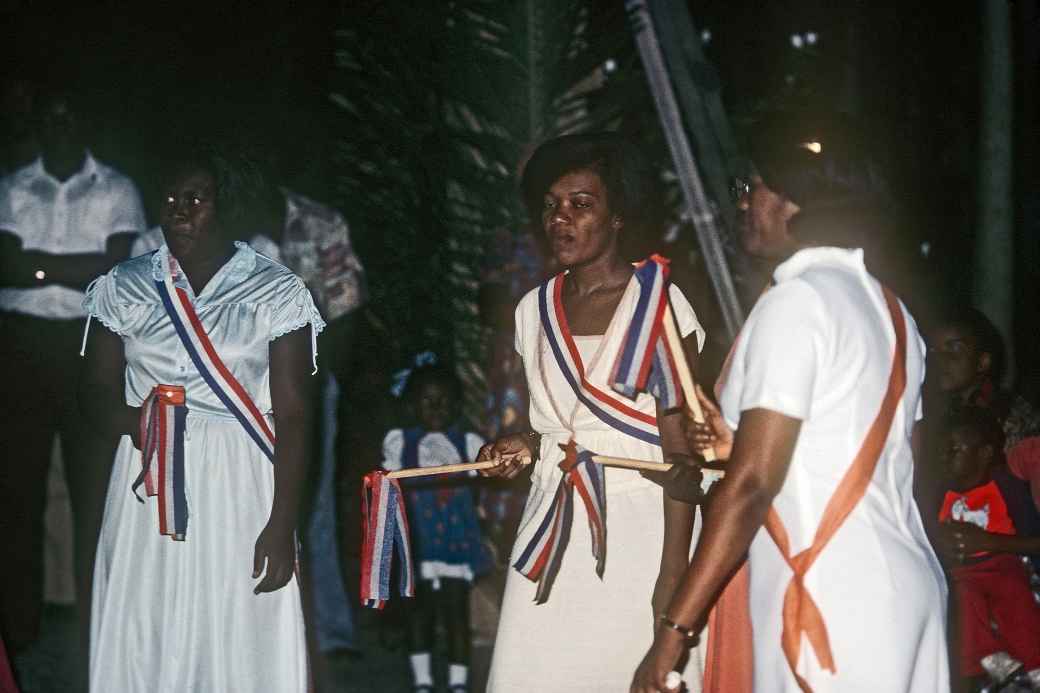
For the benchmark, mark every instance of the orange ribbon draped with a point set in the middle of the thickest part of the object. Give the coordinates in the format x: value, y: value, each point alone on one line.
x: 800, y: 612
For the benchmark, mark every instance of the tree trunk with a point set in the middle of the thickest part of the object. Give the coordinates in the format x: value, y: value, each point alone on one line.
x: 994, y: 244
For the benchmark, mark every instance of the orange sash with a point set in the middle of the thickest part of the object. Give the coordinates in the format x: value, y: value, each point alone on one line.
x: 730, y: 623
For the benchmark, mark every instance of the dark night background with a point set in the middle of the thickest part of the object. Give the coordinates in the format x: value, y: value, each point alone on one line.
x: 262, y: 73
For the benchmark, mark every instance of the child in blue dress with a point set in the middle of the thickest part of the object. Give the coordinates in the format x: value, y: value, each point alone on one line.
x: 442, y: 517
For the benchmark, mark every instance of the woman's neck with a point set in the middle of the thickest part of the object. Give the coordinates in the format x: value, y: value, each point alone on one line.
x: 199, y: 271
x: 605, y: 272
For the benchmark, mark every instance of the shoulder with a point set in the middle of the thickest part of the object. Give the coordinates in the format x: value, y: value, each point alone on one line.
x: 114, y: 180
x: 274, y: 274
x: 685, y: 315
x: 795, y: 299
x: 19, y: 179
x: 528, y: 305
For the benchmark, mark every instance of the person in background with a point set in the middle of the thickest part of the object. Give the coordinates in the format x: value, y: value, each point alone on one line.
x: 966, y: 366
x: 442, y: 518
x: 818, y: 403
x: 313, y: 240
x: 64, y: 219
x: 988, y: 522
x: 236, y: 332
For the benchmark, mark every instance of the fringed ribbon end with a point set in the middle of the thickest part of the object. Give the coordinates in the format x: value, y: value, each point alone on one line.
x: 385, y: 527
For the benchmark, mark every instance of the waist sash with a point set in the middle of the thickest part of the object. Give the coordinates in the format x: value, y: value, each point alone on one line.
x: 164, y: 413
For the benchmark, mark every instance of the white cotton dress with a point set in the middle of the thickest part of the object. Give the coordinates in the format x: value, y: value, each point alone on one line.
x: 818, y: 347
x: 591, y: 634
x: 175, y: 616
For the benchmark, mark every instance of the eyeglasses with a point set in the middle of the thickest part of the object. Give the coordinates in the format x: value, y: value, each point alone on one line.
x: 739, y: 189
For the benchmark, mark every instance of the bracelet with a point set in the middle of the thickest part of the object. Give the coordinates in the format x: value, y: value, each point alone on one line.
x: 686, y: 632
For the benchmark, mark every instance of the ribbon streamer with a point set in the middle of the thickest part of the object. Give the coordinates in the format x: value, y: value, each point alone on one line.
x: 385, y: 527
x: 645, y: 362
x: 163, y: 417
x: 541, y: 560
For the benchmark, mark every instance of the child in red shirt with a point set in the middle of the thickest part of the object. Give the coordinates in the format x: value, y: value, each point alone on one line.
x: 980, y: 536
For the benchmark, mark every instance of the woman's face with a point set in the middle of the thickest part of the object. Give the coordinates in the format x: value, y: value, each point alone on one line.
x: 954, y: 359
x: 434, y: 405
x: 577, y: 220
x: 763, y: 230
x: 189, y: 215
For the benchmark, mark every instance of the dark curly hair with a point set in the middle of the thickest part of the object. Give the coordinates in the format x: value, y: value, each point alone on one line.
x: 238, y: 177
x: 982, y: 422
x: 625, y: 172
x: 825, y: 165
x: 439, y: 373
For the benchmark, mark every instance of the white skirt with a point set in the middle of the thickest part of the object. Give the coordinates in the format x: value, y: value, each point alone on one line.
x: 181, y: 615
x: 591, y: 634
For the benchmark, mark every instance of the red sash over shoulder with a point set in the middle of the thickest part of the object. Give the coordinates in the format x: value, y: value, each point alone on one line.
x: 730, y: 626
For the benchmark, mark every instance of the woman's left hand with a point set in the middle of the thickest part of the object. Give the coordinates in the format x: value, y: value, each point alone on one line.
x: 662, y: 658
x: 277, y: 547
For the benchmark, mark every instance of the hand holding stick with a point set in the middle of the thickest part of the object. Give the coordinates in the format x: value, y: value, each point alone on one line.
x: 685, y: 377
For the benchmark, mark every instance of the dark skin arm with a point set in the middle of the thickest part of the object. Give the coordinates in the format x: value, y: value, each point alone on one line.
x: 101, y: 392
x: 291, y: 397
x: 18, y: 267
x: 762, y: 449
x: 958, y: 540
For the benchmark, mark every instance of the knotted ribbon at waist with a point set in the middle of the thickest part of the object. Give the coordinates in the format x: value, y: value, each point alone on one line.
x: 163, y: 418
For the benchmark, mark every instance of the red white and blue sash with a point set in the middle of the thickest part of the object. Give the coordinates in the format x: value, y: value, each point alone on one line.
x: 199, y: 347
x: 543, y: 556
x: 645, y: 362
x: 385, y: 527
x: 163, y: 417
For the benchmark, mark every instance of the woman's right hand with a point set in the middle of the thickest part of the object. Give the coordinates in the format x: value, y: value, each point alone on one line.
x: 714, y: 433
x: 511, y: 452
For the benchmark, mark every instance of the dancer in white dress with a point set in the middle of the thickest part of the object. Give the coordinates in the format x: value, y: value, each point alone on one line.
x: 589, y: 634
x: 822, y: 388
x: 189, y: 615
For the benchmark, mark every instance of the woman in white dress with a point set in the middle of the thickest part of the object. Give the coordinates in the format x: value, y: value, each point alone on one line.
x: 822, y: 389
x: 217, y: 609
x: 589, y: 192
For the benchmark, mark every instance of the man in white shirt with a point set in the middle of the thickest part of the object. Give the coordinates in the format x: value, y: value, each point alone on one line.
x: 64, y: 219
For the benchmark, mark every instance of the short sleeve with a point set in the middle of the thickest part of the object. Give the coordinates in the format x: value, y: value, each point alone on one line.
x: 393, y: 446
x: 127, y: 210
x: 102, y: 302
x: 787, y: 337
x: 685, y: 316
x: 293, y: 309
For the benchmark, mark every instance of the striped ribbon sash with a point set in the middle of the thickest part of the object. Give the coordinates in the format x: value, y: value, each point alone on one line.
x: 607, y: 407
x: 543, y: 556
x: 163, y: 416
x: 199, y: 347
x: 385, y: 527
x: 645, y: 362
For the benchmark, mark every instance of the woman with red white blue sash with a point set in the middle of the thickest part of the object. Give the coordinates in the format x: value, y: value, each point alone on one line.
x: 208, y: 352
x: 599, y: 550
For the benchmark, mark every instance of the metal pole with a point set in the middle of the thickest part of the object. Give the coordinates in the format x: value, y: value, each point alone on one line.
x: 698, y: 206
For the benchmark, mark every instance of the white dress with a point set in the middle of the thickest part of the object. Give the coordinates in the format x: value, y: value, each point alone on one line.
x: 591, y: 634
x: 818, y: 347
x: 181, y: 615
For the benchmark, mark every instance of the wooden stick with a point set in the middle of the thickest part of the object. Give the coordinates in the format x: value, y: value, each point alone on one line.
x: 685, y: 377
x: 626, y: 463
x: 647, y: 465
x: 447, y: 469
